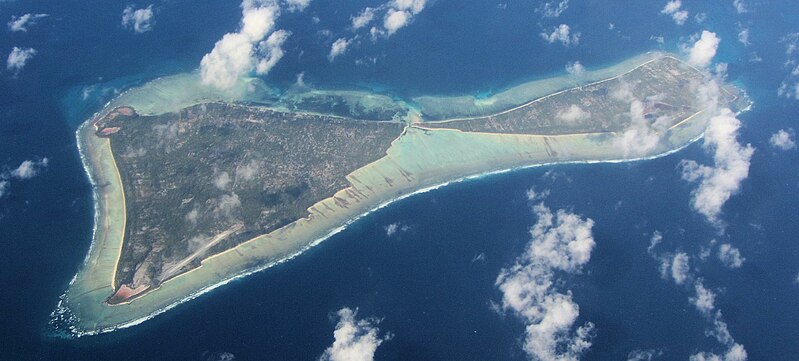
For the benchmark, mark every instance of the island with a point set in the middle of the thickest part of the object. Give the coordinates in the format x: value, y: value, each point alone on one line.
x: 194, y: 189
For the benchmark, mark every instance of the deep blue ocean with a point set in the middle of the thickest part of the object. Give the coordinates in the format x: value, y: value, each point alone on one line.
x: 428, y: 284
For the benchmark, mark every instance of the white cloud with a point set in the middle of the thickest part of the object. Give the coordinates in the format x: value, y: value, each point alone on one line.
x: 26, y: 170
x: 563, y: 34
x: 248, y: 171
x: 731, y: 160
x: 256, y: 47
x: 700, y: 18
x: 395, y: 20
x: 227, y: 204
x: 271, y: 51
x: 396, y: 15
x: 739, y: 5
x: 575, y: 68
x: 704, y: 49
x: 783, y: 139
x: 400, y: 13
x: 29, y: 169
x: 680, y: 267
x: 552, y: 9
x: 672, y: 8
x: 743, y: 36
x: 559, y: 242
x: 297, y: 5
x: 18, y: 58
x: 641, y: 136
x: 644, y: 355
x: 353, y: 339
x: 394, y: 228
x: 363, y: 18
x: 704, y: 300
x: 222, y: 180
x: 534, y: 196
x: 736, y: 352
x: 730, y: 256
x: 140, y: 20
x: 573, y: 114
x: 413, y: 6
x: 789, y: 91
x: 339, y: 47
x: 654, y: 241
x: 22, y: 23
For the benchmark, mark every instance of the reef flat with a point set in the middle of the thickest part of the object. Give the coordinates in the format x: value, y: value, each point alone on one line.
x: 201, y: 188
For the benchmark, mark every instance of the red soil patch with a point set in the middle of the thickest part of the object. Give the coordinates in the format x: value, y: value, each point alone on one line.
x: 126, y: 293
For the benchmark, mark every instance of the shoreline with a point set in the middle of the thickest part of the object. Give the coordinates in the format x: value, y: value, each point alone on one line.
x: 417, y: 163
x: 359, y: 217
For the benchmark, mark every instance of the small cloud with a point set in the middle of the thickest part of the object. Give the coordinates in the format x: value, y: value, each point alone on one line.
x: 226, y: 205
x: 339, y: 47
x: 249, y: 171
x: 783, y: 139
x: 740, y: 6
x: 140, y: 20
x: 680, y: 267
x: 704, y: 300
x: 354, y: 339
x: 644, y: 355
x: 271, y: 51
x: 672, y: 8
x: 396, y: 15
x: 788, y: 91
x: 218, y: 356
x: 736, y: 352
x: 26, y: 170
x: 654, y: 241
x: 535, y: 196
x: 192, y: 216
x: 18, y: 58
x: 256, y: 47
x: 743, y: 36
x: 479, y: 258
x: 29, y: 169
x: 552, y: 9
x: 395, y: 19
x: 560, y: 241
x: 641, y: 136
x: 297, y: 5
x: 573, y: 114
x: 4, y: 186
x: 563, y: 34
x: 575, y: 68
x: 222, y: 180
x: 22, y: 23
x: 395, y: 228
x: 363, y: 18
x: 730, y: 256
x: 400, y: 14
x: 731, y: 160
x: 700, y: 18
x: 701, y: 53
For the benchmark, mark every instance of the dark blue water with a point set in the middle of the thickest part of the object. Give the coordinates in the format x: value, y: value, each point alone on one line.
x: 422, y: 282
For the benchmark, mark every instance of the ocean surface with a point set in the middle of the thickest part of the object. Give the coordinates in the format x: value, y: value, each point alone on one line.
x: 431, y: 284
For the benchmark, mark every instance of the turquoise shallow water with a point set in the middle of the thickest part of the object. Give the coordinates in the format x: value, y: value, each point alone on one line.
x: 422, y: 282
